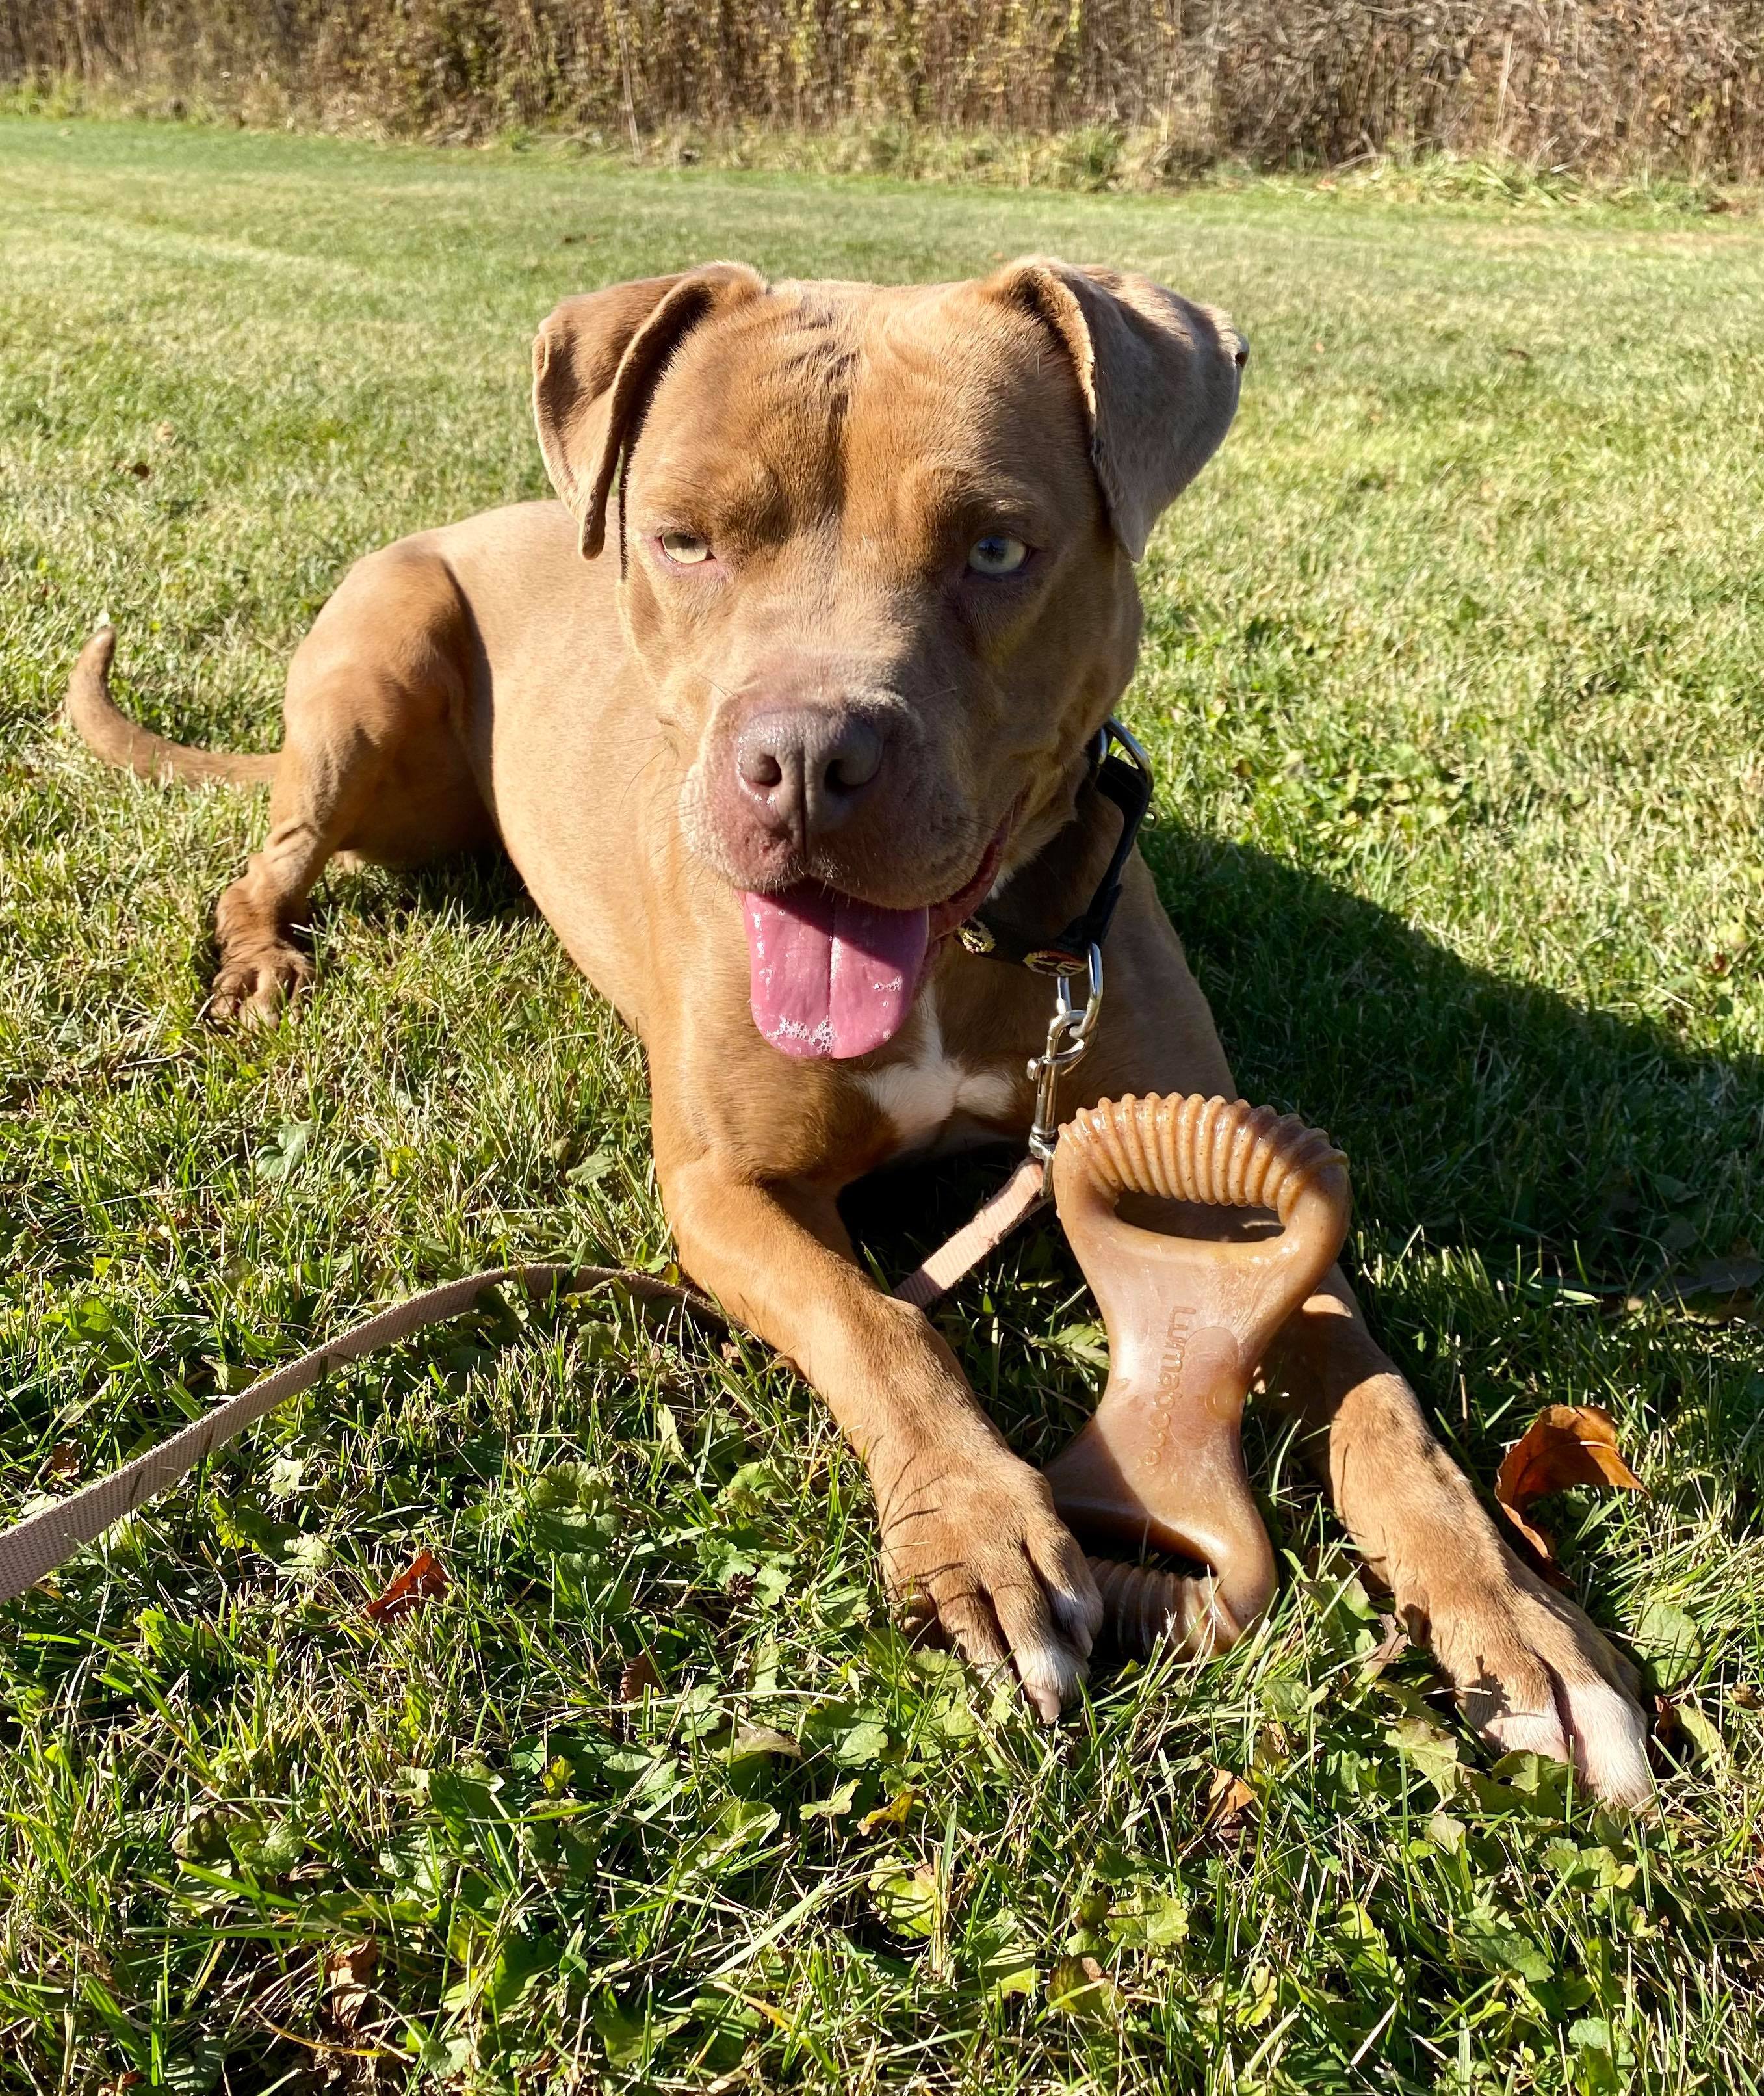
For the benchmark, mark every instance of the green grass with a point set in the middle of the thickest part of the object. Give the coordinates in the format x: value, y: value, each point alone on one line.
x: 1452, y: 674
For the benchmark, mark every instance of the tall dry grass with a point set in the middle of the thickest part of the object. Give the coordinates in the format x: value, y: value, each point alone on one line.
x: 1602, y: 85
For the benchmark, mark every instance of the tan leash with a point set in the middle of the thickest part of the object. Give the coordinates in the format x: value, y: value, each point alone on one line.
x: 33, y: 1548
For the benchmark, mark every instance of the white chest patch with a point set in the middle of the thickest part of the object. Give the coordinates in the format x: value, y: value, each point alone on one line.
x: 929, y: 1094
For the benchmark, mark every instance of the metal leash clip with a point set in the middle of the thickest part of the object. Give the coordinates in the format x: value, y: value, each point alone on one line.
x: 1069, y: 1040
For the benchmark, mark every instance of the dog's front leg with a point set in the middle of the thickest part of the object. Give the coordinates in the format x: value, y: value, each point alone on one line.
x: 968, y: 1529
x: 1531, y: 1670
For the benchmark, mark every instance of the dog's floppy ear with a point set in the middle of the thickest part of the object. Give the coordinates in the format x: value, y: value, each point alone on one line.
x: 1159, y: 378
x: 618, y: 339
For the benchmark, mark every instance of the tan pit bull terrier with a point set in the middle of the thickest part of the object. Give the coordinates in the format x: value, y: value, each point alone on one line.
x: 801, y: 669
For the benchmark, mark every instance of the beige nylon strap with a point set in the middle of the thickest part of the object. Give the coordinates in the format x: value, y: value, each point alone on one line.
x: 1015, y: 1202
x: 33, y: 1548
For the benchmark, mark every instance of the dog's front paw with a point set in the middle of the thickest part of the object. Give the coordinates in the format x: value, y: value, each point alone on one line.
x: 973, y: 1542
x: 1533, y: 1674
x: 251, y: 988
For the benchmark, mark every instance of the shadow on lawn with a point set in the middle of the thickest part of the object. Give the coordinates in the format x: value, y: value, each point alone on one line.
x: 1484, y: 1112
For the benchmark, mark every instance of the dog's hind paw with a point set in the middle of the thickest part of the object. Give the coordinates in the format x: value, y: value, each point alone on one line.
x: 251, y: 989
x: 1533, y: 1674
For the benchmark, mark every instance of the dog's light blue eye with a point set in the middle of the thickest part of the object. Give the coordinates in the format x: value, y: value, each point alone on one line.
x: 685, y: 549
x: 997, y: 554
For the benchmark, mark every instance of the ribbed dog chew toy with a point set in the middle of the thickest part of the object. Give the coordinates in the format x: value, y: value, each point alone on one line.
x: 1161, y: 1463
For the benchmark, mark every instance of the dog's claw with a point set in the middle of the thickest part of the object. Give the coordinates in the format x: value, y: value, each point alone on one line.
x: 253, y: 990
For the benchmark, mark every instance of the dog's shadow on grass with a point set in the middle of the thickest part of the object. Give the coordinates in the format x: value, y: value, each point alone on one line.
x: 1484, y: 1112
x: 1479, y: 1113
x: 480, y: 891
x: 477, y: 888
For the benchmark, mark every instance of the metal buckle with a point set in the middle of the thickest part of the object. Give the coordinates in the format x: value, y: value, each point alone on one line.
x: 1068, y: 1039
x: 1112, y: 730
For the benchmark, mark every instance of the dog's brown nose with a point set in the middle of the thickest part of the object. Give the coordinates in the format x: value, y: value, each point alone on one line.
x: 805, y: 768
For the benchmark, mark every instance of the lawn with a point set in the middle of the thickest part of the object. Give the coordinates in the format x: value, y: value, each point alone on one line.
x: 1452, y: 677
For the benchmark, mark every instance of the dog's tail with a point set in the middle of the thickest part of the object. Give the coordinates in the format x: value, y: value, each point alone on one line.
x: 120, y: 740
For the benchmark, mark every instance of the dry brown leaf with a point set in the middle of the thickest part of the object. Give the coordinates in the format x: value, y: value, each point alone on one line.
x: 1228, y: 1797
x: 1393, y: 1645
x: 349, y: 1972
x: 421, y: 1580
x: 1565, y: 1444
x: 639, y: 1674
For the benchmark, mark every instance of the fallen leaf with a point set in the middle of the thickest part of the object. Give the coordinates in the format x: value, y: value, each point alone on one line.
x: 1228, y: 1797
x: 910, y: 1901
x: 639, y: 1675
x: 1716, y: 1277
x: 1080, y: 1987
x: 1565, y: 1444
x: 1394, y: 1643
x: 896, y: 1813
x: 422, y: 1580
x: 349, y: 1972
x: 762, y: 1740
x: 835, y: 1807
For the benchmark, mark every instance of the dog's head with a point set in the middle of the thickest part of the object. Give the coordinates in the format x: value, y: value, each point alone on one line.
x: 877, y: 552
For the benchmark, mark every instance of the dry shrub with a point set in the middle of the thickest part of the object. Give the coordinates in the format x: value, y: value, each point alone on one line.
x: 1664, y: 86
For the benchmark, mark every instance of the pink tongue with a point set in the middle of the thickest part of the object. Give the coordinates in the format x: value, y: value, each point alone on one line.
x: 830, y: 976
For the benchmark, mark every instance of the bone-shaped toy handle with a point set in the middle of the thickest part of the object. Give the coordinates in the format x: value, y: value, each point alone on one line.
x: 1161, y: 1463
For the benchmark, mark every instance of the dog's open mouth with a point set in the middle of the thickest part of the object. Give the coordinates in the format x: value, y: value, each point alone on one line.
x: 833, y: 975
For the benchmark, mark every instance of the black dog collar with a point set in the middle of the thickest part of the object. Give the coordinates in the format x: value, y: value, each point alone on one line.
x: 1125, y: 779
